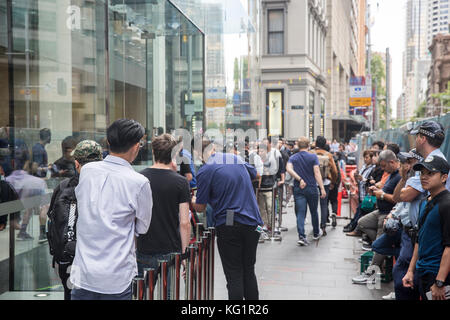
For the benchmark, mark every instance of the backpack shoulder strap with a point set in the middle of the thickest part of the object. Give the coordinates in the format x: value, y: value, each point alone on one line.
x: 3, y: 191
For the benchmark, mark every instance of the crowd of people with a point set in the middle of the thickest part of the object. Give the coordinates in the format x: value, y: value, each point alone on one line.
x: 402, y: 198
x: 106, y: 222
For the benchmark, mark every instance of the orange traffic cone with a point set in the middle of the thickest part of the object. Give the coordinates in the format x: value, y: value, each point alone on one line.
x: 339, y: 203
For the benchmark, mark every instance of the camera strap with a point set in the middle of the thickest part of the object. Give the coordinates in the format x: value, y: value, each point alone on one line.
x: 430, y: 205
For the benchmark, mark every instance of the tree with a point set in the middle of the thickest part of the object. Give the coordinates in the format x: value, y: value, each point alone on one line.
x: 237, y: 74
x: 444, y: 98
x: 421, y: 110
x: 378, y: 70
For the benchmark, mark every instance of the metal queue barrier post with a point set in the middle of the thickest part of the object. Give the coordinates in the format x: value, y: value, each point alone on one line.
x: 280, y: 209
x: 138, y: 291
x: 212, y: 240
x: 198, y: 269
x: 190, y: 274
x: 162, y: 280
x: 205, y: 277
x: 176, y: 292
x: 199, y: 273
x: 149, y: 277
x: 274, y: 237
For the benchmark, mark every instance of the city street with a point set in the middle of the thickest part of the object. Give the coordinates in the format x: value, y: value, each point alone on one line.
x: 286, y: 271
x: 322, y: 271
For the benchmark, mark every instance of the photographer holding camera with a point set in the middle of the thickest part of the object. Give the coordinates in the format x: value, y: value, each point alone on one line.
x: 400, y: 221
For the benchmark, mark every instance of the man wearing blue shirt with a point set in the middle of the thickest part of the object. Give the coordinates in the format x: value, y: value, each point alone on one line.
x: 305, y: 169
x: 225, y: 183
x: 431, y: 257
x: 429, y: 138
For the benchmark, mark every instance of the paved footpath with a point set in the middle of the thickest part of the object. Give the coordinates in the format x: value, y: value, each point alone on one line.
x: 322, y: 271
x: 286, y: 271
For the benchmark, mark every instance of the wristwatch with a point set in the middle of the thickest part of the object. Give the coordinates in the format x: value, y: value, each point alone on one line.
x: 382, y: 196
x: 439, y: 284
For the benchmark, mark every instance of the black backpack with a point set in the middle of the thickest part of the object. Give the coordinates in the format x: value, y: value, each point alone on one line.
x: 63, y: 215
x: 7, y: 193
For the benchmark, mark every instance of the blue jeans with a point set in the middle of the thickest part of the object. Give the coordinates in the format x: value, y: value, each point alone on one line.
x: 388, y: 245
x: 324, y: 208
x: 151, y: 261
x: 401, y: 268
x: 308, y: 197
x: 82, y: 294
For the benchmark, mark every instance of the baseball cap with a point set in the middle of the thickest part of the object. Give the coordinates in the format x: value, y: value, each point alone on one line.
x: 413, y: 154
x: 87, y: 151
x: 429, y: 129
x: 433, y: 164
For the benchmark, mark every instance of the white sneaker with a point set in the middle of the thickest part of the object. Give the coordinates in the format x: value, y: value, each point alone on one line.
x: 390, y: 296
x: 319, y: 235
x: 362, y: 279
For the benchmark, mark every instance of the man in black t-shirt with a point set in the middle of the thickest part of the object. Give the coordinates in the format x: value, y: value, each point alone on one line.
x: 170, y: 228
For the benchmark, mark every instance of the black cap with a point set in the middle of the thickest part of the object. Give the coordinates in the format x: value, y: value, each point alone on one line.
x: 429, y: 129
x: 413, y: 154
x: 433, y: 164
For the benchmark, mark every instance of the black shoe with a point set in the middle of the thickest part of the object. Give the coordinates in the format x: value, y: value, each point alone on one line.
x: 324, y: 232
x: 348, y: 229
x: 334, y: 220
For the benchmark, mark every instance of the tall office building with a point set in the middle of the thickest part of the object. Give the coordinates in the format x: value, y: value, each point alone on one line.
x: 345, y: 58
x: 416, y: 57
x: 438, y: 18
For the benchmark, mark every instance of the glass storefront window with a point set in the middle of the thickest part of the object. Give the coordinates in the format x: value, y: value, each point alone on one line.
x: 69, y: 68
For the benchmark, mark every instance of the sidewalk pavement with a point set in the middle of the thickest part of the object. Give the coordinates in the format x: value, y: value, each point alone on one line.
x: 321, y: 271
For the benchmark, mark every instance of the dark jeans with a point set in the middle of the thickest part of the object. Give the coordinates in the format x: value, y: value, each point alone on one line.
x: 151, y: 261
x: 237, y: 248
x: 81, y: 294
x: 401, y: 268
x: 426, y: 281
x: 64, y: 275
x: 388, y: 245
x: 333, y: 198
x: 324, y: 208
x: 304, y: 198
x: 358, y: 215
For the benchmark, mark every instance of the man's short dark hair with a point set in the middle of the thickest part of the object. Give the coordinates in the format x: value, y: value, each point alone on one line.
x: 395, y: 148
x: 321, y: 142
x: 124, y: 134
x: 163, y: 147
x: 380, y: 144
x: 437, y: 141
x: 45, y: 134
x: 69, y: 143
x: 369, y: 153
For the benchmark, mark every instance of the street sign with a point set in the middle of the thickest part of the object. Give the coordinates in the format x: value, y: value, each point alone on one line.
x: 360, y: 92
x: 360, y: 102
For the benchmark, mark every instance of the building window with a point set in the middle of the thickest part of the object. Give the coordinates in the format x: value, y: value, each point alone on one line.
x: 275, y: 32
x: 275, y: 112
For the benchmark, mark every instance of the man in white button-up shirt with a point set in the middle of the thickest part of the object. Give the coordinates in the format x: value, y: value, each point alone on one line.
x: 114, y: 206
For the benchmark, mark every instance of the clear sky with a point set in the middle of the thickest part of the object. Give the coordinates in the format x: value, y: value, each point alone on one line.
x: 388, y: 31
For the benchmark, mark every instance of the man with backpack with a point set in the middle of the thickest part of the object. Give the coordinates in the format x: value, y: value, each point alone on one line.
x: 329, y: 173
x: 63, y: 213
x: 304, y: 167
